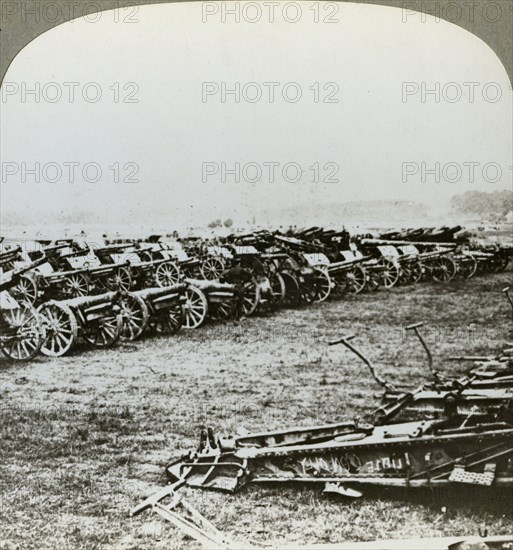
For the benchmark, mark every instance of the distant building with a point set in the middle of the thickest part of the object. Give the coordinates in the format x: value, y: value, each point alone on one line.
x: 509, y: 217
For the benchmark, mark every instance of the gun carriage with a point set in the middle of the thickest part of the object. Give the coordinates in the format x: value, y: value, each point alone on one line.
x: 22, y: 288
x: 149, y: 264
x: 436, y: 262
x: 304, y: 271
x: 95, y: 319
x: 21, y: 330
x: 158, y: 309
x: 443, y: 396
x: 188, y: 264
x: 346, y: 457
x: 263, y: 288
x: 80, y: 273
x: 215, y: 260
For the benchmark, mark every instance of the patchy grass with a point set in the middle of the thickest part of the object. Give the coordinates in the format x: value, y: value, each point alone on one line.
x: 86, y: 437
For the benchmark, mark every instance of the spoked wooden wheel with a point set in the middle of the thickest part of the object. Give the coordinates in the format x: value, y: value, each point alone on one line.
x: 292, y: 291
x: 322, y: 285
x: 169, y: 321
x: 443, y: 269
x: 416, y: 271
x: 61, y: 328
x: 134, y: 316
x: 25, y: 290
x: 120, y: 280
x: 467, y: 267
x: 389, y: 273
x: 104, y: 332
x: 404, y: 275
x: 75, y: 285
x: 224, y: 310
x: 167, y: 274
x: 250, y: 297
x: 278, y: 289
x: 22, y: 333
x: 196, y: 307
x: 356, y: 279
x: 212, y: 268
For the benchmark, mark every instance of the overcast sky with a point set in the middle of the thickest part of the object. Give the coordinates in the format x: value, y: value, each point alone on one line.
x: 173, y: 129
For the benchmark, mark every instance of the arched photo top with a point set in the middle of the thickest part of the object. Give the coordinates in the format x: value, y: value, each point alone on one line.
x: 200, y: 111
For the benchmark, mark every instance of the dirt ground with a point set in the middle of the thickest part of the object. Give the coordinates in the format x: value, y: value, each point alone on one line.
x: 86, y: 437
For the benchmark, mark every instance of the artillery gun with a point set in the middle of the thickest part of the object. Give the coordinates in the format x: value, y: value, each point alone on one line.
x: 306, y: 267
x: 149, y: 264
x: 67, y: 272
x: 21, y: 330
x: 96, y: 319
x: 160, y: 309
x: 427, y: 259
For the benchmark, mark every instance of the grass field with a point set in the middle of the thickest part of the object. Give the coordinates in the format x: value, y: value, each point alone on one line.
x: 86, y: 437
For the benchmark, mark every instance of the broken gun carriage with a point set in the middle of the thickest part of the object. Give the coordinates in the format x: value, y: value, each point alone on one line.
x: 476, y: 395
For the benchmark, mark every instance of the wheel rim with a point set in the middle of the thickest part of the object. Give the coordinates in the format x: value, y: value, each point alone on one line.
x: 250, y: 297
x: 134, y: 316
x: 24, y: 337
x: 390, y: 274
x: 167, y: 274
x: 77, y: 285
x: 356, y: 279
x: 224, y: 310
x: 277, y: 288
x: 322, y: 284
x: 292, y: 293
x: 445, y: 269
x: 212, y: 269
x: 105, y: 332
x: 171, y: 320
x: 61, y: 329
x: 196, y: 307
x: 467, y: 267
x: 25, y: 290
x: 120, y: 280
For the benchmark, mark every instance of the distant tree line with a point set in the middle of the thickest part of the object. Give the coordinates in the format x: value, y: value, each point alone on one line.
x: 495, y: 204
x: 218, y: 223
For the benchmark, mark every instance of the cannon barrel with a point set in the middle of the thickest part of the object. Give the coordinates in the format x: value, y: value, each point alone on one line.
x: 9, y: 255
x: 157, y: 292
x: 392, y: 242
x: 10, y: 278
x: 52, y: 249
x: 88, y: 301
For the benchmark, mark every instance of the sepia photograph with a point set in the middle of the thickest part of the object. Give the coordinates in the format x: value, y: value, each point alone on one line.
x: 256, y: 274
